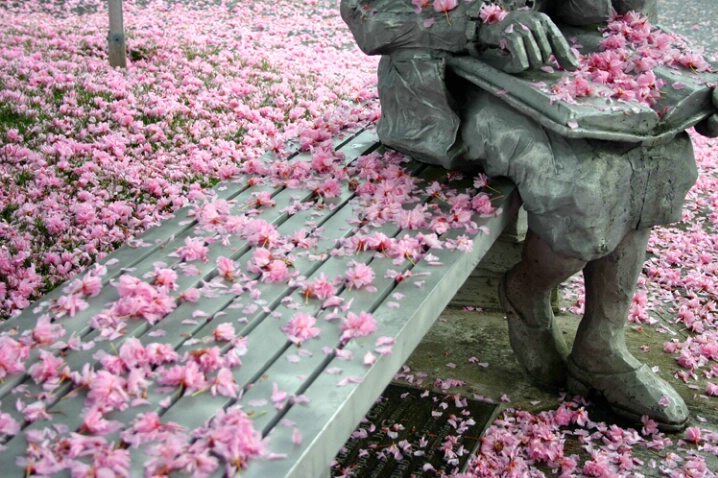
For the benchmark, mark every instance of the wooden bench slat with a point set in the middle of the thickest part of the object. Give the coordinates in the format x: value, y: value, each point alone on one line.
x: 285, y: 373
x: 335, y: 411
x: 124, y: 257
x: 72, y: 420
x: 271, y: 364
x: 79, y: 324
x: 268, y: 331
x: 141, y: 264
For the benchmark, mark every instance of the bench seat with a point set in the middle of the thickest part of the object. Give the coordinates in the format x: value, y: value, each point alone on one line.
x: 334, y: 385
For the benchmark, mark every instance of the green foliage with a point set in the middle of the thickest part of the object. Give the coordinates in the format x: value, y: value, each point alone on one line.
x: 11, y: 119
x: 7, y: 212
x: 24, y: 177
x: 210, y: 182
x: 144, y: 52
x: 237, y: 136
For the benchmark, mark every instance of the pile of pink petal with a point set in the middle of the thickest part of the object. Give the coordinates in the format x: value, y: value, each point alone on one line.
x: 567, y: 441
x: 630, y: 50
x: 91, y: 156
x: 519, y: 442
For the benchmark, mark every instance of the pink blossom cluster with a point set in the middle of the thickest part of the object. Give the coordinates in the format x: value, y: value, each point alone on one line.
x: 440, y: 6
x: 122, y: 383
x: 491, y: 13
x: 229, y: 436
x: 623, y: 67
x: 384, y: 194
x: 445, y: 6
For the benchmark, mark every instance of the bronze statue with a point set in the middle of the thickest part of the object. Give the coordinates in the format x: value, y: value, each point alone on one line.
x: 591, y: 203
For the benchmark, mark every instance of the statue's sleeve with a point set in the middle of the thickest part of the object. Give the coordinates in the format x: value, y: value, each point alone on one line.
x: 586, y: 12
x: 583, y: 12
x: 646, y: 7
x: 387, y: 26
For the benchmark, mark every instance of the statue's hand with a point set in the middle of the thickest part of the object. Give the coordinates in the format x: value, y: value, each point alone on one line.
x: 530, y: 38
x: 709, y: 126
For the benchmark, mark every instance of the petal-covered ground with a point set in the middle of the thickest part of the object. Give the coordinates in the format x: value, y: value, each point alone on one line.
x: 90, y: 157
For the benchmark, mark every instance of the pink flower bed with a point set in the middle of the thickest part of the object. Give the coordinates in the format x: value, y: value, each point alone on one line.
x: 90, y: 157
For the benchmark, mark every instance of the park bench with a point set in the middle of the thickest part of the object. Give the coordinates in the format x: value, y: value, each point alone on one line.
x: 335, y: 392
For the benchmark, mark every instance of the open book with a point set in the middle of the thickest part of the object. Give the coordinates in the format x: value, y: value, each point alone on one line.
x: 685, y: 98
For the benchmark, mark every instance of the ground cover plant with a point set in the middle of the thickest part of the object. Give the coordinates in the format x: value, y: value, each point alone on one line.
x: 90, y: 157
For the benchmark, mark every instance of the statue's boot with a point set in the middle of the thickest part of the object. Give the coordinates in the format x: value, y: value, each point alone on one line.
x: 600, y: 364
x: 525, y: 294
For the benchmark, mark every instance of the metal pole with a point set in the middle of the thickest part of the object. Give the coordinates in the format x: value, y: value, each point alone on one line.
x: 116, y: 36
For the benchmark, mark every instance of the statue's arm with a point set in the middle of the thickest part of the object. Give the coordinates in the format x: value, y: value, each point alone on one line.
x: 385, y: 26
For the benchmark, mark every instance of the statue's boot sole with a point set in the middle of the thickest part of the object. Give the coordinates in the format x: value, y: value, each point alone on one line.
x: 631, y: 395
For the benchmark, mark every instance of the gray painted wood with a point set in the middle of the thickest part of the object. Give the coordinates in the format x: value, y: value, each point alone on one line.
x: 334, y: 411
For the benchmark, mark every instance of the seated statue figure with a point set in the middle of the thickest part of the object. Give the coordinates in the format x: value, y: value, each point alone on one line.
x: 590, y: 203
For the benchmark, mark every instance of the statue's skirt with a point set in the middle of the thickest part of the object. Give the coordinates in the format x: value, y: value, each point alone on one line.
x: 582, y: 196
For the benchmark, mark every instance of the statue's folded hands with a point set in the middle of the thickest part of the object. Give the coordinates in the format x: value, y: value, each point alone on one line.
x: 530, y: 38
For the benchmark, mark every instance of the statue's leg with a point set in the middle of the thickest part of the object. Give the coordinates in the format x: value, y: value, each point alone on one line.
x: 600, y: 361
x: 525, y: 294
